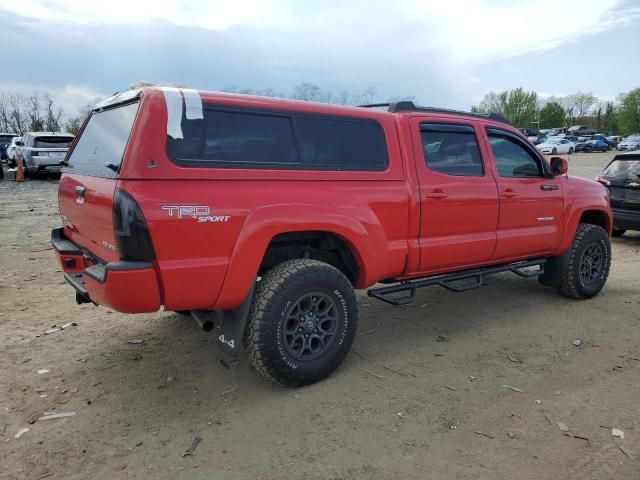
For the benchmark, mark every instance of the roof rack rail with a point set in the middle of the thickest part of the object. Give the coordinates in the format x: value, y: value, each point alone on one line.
x: 409, y: 106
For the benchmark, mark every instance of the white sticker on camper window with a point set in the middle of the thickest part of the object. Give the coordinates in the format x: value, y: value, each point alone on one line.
x: 192, y: 103
x: 173, y: 100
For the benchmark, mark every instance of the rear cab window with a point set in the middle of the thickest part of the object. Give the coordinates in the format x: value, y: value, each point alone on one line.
x: 102, y: 143
x: 229, y: 138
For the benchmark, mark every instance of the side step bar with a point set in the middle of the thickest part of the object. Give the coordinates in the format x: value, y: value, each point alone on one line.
x: 454, y: 281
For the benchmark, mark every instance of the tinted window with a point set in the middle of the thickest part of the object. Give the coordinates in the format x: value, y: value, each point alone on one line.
x: 451, y: 149
x: 341, y: 144
x: 101, y: 146
x: 233, y: 138
x: 623, y: 168
x: 264, y: 140
x: 52, y: 142
x: 513, y: 159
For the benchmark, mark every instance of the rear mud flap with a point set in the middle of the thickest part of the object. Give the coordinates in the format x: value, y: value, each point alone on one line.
x: 233, y: 325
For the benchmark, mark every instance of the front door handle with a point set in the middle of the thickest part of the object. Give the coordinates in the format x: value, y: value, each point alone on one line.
x: 548, y: 188
x: 508, y: 193
x: 437, y: 194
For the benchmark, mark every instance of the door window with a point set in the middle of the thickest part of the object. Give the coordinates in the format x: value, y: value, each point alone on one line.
x: 451, y: 149
x: 512, y: 159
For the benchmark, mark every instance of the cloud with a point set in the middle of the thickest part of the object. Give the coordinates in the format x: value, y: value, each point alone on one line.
x: 211, y: 14
x: 478, y: 30
x: 445, y: 53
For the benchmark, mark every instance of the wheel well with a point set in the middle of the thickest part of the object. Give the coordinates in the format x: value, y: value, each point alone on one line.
x: 595, y: 217
x: 324, y: 246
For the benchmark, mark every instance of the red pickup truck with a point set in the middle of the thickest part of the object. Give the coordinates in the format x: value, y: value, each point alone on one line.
x: 261, y: 216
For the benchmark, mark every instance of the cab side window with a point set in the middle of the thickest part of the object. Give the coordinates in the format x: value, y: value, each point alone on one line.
x: 451, y: 149
x: 513, y: 159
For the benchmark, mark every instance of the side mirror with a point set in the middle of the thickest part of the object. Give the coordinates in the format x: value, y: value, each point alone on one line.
x: 19, y: 144
x: 559, y: 166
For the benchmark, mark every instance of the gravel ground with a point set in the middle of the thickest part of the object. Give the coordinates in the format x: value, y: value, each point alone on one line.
x: 477, y: 385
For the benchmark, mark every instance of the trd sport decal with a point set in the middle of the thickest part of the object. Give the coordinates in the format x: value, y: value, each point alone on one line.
x: 202, y: 213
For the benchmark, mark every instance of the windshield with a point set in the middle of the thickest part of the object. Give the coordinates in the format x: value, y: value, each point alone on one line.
x: 553, y: 140
x: 5, y: 138
x: 101, y: 145
x: 632, y: 138
x: 52, y: 142
x: 623, y: 168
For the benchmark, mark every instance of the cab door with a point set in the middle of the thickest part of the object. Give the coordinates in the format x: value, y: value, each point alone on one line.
x: 458, y: 196
x: 531, y: 200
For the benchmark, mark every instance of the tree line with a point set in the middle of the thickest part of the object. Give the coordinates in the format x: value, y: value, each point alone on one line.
x: 527, y: 109
x: 21, y: 113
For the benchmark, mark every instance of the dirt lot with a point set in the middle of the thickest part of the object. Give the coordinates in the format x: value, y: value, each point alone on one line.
x: 421, y: 396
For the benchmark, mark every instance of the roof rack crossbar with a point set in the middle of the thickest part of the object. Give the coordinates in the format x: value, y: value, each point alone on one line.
x: 409, y: 106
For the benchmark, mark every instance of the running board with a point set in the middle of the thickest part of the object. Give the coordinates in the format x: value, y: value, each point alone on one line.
x: 452, y: 281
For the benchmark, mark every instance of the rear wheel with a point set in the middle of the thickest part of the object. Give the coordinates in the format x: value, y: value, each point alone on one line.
x: 554, y: 151
x: 302, y: 322
x: 570, y: 150
x: 618, y: 232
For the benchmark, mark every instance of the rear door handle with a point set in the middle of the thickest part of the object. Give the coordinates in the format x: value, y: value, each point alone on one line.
x: 508, y: 193
x: 437, y: 194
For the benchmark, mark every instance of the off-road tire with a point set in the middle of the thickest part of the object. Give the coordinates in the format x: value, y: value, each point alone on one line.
x: 617, y: 232
x: 276, y: 293
x: 564, y: 272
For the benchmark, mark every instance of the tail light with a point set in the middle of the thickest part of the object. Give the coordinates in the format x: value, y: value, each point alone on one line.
x: 130, y: 228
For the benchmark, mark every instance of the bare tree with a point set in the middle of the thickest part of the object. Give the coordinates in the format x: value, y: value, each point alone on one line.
x: 53, y: 115
x: 307, y: 91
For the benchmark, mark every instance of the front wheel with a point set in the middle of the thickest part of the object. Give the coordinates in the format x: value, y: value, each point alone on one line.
x: 302, y: 322
x: 554, y: 151
x: 570, y: 150
x: 583, y: 270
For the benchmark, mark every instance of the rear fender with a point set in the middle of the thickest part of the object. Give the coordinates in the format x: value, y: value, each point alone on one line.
x: 263, y: 224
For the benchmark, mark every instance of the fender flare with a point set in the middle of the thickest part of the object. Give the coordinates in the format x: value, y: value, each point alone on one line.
x: 264, y: 223
x: 573, y: 221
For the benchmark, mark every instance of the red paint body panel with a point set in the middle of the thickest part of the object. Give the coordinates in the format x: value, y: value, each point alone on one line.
x: 386, y: 218
x: 130, y: 291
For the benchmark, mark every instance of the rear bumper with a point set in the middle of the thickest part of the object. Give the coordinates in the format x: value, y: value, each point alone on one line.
x: 626, y: 219
x: 128, y: 287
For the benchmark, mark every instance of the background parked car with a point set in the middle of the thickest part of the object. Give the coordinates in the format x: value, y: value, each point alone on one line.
x: 622, y: 178
x: 616, y: 139
x: 579, y: 130
x: 537, y: 139
x: 592, y: 145
x: 12, y: 152
x: 555, y: 145
x: 632, y: 142
x: 5, y: 140
x: 43, y: 151
x: 599, y: 136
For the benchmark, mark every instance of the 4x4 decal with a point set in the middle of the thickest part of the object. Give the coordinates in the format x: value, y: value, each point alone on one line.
x: 202, y: 213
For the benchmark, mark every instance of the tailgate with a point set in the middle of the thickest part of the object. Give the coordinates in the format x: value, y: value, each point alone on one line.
x: 89, y: 180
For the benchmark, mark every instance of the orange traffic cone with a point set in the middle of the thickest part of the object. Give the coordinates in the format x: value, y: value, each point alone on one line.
x: 20, y: 172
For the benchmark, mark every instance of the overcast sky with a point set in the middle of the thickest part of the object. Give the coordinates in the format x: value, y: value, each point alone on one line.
x: 446, y: 53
